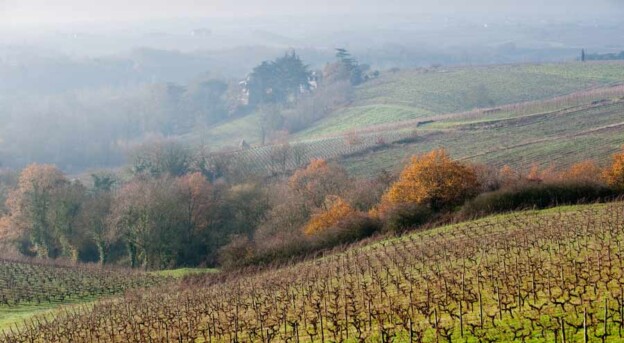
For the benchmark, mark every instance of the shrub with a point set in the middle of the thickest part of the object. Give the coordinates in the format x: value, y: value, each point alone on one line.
x: 434, y: 180
x: 351, y: 228
x: 269, y: 252
x: 614, y: 175
x: 402, y: 217
x: 283, y: 249
x: 337, y: 209
x: 586, y: 171
x: 318, y: 180
x: 537, y: 196
x: 238, y: 252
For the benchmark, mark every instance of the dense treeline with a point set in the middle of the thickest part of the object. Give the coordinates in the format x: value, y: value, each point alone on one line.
x: 180, y: 208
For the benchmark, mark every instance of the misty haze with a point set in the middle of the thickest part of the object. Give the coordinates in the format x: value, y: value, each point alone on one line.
x: 311, y: 171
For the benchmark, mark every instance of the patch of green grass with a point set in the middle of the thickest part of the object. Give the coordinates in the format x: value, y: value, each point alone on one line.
x: 465, y: 88
x: 229, y: 133
x: 182, y: 272
x: 358, y: 117
x: 16, y: 315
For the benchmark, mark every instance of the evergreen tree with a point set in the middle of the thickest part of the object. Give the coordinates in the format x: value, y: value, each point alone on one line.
x: 278, y: 81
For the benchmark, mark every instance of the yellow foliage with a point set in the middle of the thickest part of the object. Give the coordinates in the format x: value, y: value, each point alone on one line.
x: 5, y: 229
x: 337, y: 209
x: 433, y: 179
x: 375, y: 212
x: 318, y: 180
x: 534, y: 174
x: 614, y: 174
x: 508, y: 176
x: 586, y: 171
x: 38, y: 178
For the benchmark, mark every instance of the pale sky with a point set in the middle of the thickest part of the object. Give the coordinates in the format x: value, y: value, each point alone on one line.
x: 66, y: 11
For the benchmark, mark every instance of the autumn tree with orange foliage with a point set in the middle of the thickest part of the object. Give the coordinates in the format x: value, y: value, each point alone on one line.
x: 585, y: 171
x: 614, y: 174
x: 336, y: 210
x: 539, y: 175
x: 318, y: 180
x: 434, y: 180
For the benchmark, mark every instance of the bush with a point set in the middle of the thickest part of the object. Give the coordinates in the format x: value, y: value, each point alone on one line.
x: 402, y: 217
x: 336, y: 210
x: 536, y: 196
x: 351, y: 228
x: 237, y: 253
x: 433, y: 180
x: 614, y: 174
x: 242, y: 252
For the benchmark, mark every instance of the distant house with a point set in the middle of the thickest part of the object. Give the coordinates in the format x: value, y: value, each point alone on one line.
x: 244, y: 92
x: 314, y: 80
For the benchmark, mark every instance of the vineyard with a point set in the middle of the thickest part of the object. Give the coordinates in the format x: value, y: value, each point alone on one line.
x: 24, y: 283
x: 552, y: 276
x: 28, y: 287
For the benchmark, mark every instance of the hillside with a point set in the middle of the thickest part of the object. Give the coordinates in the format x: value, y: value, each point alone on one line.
x: 532, y: 276
x: 418, y: 94
x: 549, y: 139
x: 513, y: 114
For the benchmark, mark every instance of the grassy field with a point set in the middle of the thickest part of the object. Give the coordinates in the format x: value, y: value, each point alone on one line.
x: 361, y: 117
x: 536, y: 276
x: 16, y: 316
